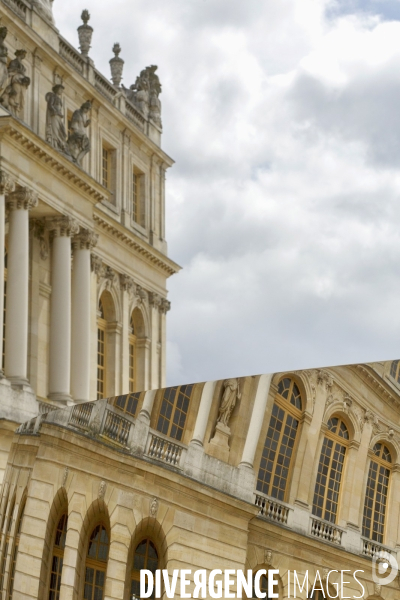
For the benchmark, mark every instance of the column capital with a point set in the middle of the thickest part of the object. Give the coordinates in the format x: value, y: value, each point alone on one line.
x: 155, y: 299
x: 62, y: 226
x: 7, y: 183
x: 165, y: 306
x: 86, y: 239
x: 127, y: 283
x: 22, y: 197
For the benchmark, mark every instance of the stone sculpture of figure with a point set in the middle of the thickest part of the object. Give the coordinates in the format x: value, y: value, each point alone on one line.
x: 55, y: 128
x: 13, y: 97
x: 45, y: 9
x: 145, y: 94
x: 155, y: 91
x: 231, y: 394
x: 3, y: 61
x: 78, y: 141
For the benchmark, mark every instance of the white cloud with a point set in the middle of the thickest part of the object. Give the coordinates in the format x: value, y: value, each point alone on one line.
x: 284, y: 201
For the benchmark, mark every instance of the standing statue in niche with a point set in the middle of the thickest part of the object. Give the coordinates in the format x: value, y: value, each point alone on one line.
x: 229, y: 398
x: 3, y: 60
x: 13, y: 97
x: 78, y: 141
x: 55, y: 128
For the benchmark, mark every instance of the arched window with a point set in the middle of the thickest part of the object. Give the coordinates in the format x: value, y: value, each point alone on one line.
x: 132, y: 357
x: 145, y: 557
x: 58, y: 558
x: 173, y: 411
x: 263, y: 587
x: 395, y: 370
x: 15, y: 553
x: 330, y: 469
x: 281, y: 438
x: 376, y: 494
x: 101, y: 352
x: 96, y: 564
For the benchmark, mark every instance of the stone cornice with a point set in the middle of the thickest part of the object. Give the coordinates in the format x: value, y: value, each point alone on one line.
x: 24, y: 138
x: 153, y: 256
x: 378, y: 384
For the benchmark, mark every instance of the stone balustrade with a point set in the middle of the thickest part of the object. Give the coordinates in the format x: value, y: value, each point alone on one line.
x: 272, y: 509
x: 326, y: 531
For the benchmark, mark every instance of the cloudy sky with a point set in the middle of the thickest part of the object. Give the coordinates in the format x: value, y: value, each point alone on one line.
x: 284, y: 202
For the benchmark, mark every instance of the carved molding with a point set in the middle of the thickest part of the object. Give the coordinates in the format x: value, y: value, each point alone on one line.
x: 7, y: 183
x: 154, y: 300
x: 62, y: 226
x: 22, y: 198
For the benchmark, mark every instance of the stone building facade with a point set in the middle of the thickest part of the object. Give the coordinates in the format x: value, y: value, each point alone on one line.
x: 290, y: 471
x: 82, y: 222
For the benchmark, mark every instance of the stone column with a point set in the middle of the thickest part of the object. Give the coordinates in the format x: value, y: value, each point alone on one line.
x: 256, y: 421
x: 203, y: 414
x: 147, y: 407
x: 19, y: 203
x: 164, y: 308
x: 61, y: 228
x: 7, y: 185
x: 80, y: 326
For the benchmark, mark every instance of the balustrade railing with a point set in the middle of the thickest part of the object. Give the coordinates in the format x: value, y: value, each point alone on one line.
x: 18, y: 6
x: 326, y: 531
x: 272, y: 509
x: 116, y: 428
x: 104, y: 86
x: 373, y: 549
x: 71, y: 55
x: 134, y: 115
x: 164, y: 450
x: 80, y: 415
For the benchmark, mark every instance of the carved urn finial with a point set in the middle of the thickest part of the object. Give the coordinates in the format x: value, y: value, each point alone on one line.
x: 85, y: 33
x: 117, y: 66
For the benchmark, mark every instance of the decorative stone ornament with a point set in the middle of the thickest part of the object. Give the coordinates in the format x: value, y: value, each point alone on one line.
x: 65, y: 477
x: 55, y: 128
x: 13, y: 97
x: 78, y: 141
x: 102, y: 490
x: 44, y: 8
x: 154, y: 508
x: 22, y: 198
x: 3, y: 60
x: 85, y: 33
x: 228, y: 402
x: 117, y: 66
x: 144, y: 93
x: 7, y: 183
x: 268, y: 557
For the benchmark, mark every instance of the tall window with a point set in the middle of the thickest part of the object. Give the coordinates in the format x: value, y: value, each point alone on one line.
x: 330, y: 469
x: 58, y: 557
x: 263, y: 587
x: 279, y: 444
x: 377, y: 494
x: 7, y: 529
x: 15, y: 554
x: 145, y: 557
x: 132, y: 357
x: 173, y: 411
x: 101, y: 352
x: 4, y: 305
x: 106, y: 167
x: 136, y: 195
x: 395, y: 370
x: 96, y: 564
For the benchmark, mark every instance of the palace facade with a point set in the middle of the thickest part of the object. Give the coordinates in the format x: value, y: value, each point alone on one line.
x: 291, y: 471
x: 83, y: 254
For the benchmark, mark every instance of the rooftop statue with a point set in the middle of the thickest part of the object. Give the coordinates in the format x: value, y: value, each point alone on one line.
x: 78, y: 141
x: 13, y: 97
x: 55, y: 128
x: 44, y: 8
x: 228, y: 403
x: 145, y: 94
